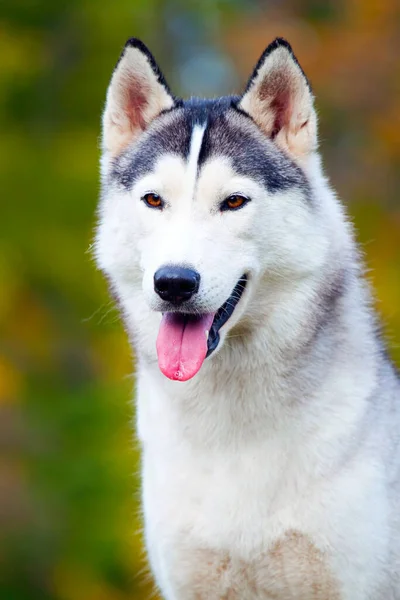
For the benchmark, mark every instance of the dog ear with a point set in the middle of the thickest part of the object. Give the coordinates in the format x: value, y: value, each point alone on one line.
x: 279, y: 99
x: 137, y: 94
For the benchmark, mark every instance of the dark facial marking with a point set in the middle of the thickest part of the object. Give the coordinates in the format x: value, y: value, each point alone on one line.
x: 172, y: 138
x: 250, y: 154
x: 136, y: 161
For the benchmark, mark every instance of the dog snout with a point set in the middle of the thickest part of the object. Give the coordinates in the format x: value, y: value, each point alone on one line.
x: 176, y: 284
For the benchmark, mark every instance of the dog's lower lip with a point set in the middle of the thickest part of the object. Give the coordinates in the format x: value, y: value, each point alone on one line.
x: 224, y: 313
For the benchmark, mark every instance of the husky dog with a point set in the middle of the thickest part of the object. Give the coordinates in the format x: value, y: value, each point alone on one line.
x: 268, y: 410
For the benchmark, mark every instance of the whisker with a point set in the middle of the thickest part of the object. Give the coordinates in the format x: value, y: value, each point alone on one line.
x: 110, y: 308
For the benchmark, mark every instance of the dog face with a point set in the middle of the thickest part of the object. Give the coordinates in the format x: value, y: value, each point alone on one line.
x: 202, y: 199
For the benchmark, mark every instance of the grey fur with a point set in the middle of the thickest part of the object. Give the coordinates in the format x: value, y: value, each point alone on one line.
x: 170, y: 133
x: 229, y: 132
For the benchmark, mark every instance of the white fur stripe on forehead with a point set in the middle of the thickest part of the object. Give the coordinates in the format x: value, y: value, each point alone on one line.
x: 279, y: 99
x: 137, y: 94
x: 193, y: 158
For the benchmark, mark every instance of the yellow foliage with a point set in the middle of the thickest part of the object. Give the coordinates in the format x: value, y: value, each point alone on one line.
x: 11, y: 382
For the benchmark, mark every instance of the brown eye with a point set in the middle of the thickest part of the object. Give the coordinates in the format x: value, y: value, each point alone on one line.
x: 234, y: 202
x: 153, y: 200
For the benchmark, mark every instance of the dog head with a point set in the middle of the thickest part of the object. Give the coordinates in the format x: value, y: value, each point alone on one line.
x: 203, y: 199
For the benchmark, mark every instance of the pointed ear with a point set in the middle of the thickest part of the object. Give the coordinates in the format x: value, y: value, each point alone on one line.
x: 137, y: 94
x: 278, y: 97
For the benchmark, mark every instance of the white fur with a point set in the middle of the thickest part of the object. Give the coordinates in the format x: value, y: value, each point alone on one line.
x: 193, y: 159
x: 123, y: 121
x: 298, y: 133
x: 272, y: 436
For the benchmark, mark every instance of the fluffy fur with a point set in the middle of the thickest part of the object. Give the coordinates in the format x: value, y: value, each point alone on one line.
x: 274, y: 472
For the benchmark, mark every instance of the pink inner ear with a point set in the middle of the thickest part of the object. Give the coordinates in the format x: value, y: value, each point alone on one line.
x: 277, y: 89
x: 281, y: 106
x: 136, y: 103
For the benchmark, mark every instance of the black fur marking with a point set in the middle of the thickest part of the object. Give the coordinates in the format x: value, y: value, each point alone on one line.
x: 201, y: 110
x: 252, y: 156
x: 135, y: 162
x: 174, y: 138
x: 277, y: 43
x: 249, y: 155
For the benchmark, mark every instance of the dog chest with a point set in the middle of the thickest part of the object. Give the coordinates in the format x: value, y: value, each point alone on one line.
x: 291, y: 569
x: 214, y: 539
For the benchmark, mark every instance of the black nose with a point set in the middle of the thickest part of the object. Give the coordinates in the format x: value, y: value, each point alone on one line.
x: 176, y: 284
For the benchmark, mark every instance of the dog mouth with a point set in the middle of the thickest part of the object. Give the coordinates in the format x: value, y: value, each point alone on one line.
x: 223, y: 314
x: 185, y: 340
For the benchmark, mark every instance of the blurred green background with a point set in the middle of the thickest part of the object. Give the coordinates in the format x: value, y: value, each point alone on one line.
x: 69, y: 487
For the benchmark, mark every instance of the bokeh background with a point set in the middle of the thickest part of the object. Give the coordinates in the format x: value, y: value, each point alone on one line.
x: 69, y: 486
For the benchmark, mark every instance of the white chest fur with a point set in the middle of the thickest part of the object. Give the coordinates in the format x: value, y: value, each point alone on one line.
x: 249, y: 518
x: 216, y: 535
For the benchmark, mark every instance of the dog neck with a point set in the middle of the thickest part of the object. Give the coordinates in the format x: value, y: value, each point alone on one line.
x: 286, y: 363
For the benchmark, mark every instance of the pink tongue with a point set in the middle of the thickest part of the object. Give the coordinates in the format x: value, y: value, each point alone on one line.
x: 182, y: 345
